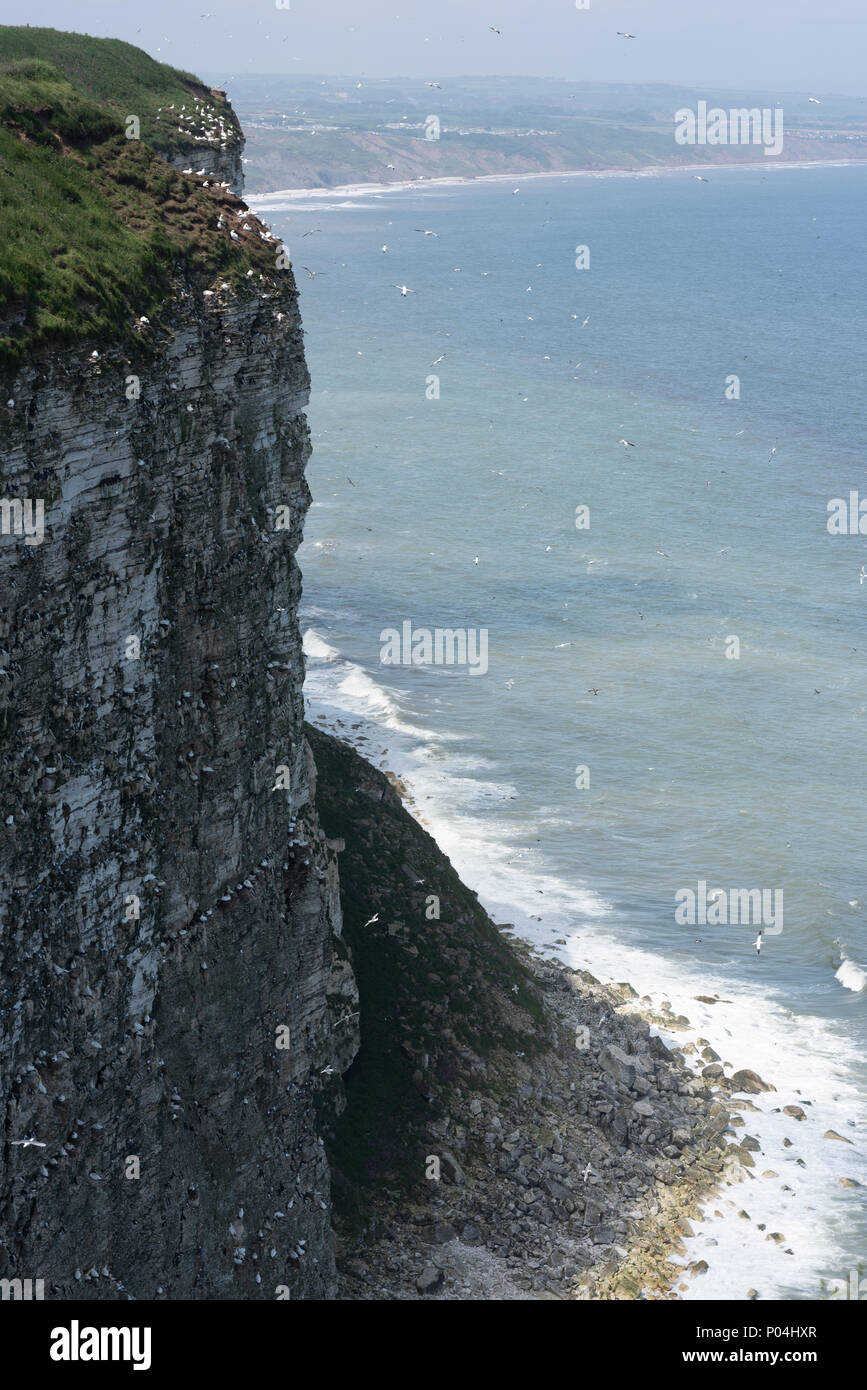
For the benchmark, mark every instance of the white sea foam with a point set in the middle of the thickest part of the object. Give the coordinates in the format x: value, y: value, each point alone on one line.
x: 804, y: 1057
x: 851, y: 976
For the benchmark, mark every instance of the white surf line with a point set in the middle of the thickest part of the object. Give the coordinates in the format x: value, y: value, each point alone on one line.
x: 260, y: 201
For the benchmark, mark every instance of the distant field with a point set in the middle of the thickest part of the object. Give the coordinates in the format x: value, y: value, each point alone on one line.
x: 310, y: 132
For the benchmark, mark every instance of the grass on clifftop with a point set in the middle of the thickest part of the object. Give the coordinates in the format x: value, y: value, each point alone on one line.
x: 120, y: 77
x: 93, y: 226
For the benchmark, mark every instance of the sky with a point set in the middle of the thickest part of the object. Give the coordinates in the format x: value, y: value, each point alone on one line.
x: 767, y: 45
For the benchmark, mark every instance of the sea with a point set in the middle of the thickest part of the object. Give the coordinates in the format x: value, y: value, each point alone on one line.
x: 673, y: 696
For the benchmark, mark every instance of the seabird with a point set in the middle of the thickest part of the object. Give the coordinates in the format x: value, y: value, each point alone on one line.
x: 374, y: 918
x: 404, y: 291
x: 425, y: 232
x: 30, y: 1143
x: 627, y: 443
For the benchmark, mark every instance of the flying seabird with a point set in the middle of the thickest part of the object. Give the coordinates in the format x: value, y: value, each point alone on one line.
x: 627, y: 443
x: 404, y: 291
x: 30, y: 1143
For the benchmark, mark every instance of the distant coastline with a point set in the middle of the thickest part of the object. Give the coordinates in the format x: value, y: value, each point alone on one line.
x: 349, y: 190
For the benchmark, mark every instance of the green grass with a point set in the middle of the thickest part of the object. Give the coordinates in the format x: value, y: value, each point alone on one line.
x: 117, y: 76
x: 94, y: 227
x: 451, y: 990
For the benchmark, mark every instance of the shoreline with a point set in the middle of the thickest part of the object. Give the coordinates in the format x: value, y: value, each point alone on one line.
x: 702, y: 1159
x: 577, y: 1145
x: 259, y: 200
x: 691, y: 1031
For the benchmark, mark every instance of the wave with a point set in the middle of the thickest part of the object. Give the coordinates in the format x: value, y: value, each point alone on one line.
x: 851, y: 976
x: 798, y: 1186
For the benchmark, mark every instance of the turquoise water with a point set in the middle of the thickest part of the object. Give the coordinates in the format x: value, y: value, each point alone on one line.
x: 744, y: 773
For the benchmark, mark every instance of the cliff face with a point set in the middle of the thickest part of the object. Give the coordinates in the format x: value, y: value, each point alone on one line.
x: 220, y: 156
x: 168, y: 919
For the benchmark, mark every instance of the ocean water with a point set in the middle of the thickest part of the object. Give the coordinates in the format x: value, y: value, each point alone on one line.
x: 459, y: 512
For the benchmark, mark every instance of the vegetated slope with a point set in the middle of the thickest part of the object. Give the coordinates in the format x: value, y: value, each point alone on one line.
x: 443, y: 999
x: 93, y: 225
x: 122, y: 78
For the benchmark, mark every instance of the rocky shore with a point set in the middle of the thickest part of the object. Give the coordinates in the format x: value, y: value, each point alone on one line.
x: 572, y: 1146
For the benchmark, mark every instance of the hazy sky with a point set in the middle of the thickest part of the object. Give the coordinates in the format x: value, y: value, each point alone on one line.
x: 772, y: 45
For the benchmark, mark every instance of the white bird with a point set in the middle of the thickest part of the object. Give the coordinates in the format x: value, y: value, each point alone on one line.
x: 311, y: 274
x: 815, y: 101
x: 863, y: 574
x: 425, y: 232
x: 327, y: 1071
x: 30, y: 1143
x: 433, y: 84
x: 383, y: 249
x: 404, y: 291
x: 621, y: 35
x: 475, y: 559
x: 509, y: 684
x: 438, y: 360
x: 586, y: 1172
x: 627, y: 443
x: 700, y: 179
x: 374, y: 918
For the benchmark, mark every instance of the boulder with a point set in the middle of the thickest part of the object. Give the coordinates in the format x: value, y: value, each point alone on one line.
x: 617, y: 1064
x: 750, y: 1082
x: 429, y: 1280
x: 451, y: 1170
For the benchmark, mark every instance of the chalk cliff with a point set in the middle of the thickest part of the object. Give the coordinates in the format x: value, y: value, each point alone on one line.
x: 179, y: 1012
x: 169, y: 912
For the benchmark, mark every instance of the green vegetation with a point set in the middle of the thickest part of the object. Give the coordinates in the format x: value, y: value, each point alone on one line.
x: 445, y: 1002
x: 117, y: 76
x: 94, y: 226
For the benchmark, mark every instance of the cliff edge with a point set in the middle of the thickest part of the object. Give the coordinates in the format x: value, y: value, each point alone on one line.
x: 168, y: 904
